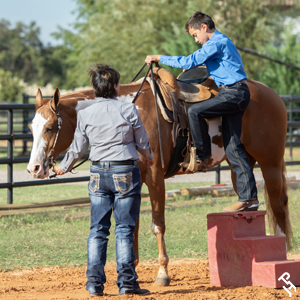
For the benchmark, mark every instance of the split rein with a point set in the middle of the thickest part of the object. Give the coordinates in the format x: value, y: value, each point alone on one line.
x: 59, y: 121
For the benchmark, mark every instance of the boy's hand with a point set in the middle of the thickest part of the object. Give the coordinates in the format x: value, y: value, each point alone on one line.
x: 58, y: 171
x: 152, y: 58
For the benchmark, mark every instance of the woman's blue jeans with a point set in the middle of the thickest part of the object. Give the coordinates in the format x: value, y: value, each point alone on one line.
x: 230, y: 104
x: 117, y: 189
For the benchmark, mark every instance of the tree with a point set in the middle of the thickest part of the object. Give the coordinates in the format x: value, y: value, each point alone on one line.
x: 248, y: 23
x: 23, y: 55
x: 282, y: 79
x: 122, y: 33
x: 10, y: 86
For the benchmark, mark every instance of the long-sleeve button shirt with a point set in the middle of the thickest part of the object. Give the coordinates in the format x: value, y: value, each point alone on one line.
x: 113, y: 129
x: 218, y: 54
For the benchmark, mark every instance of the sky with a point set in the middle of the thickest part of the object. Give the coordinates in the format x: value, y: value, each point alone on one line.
x: 47, y: 14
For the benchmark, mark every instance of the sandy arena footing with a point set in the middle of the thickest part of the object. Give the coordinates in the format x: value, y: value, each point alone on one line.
x: 190, y: 280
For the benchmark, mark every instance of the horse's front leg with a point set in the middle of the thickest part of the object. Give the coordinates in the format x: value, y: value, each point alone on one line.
x: 156, y: 186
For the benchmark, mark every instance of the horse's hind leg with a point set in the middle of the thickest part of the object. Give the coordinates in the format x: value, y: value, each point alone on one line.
x: 156, y: 186
x: 277, y: 199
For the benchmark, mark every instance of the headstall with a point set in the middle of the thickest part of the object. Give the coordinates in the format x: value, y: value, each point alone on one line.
x: 51, y: 160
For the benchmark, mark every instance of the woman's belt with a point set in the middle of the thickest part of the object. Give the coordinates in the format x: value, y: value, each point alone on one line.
x: 114, y: 162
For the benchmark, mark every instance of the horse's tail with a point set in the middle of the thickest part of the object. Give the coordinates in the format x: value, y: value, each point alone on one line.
x: 284, y: 202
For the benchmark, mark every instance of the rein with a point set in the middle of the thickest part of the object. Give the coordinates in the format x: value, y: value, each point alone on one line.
x: 156, y: 106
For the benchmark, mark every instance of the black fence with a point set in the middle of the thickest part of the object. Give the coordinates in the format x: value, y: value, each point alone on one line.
x: 21, y: 115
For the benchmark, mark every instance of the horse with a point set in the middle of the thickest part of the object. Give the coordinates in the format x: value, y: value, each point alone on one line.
x: 263, y: 135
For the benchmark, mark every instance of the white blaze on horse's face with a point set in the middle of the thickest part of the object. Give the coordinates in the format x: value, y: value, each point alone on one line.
x: 36, y: 162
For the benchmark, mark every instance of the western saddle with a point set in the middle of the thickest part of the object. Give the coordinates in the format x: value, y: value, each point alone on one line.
x: 175, y: 96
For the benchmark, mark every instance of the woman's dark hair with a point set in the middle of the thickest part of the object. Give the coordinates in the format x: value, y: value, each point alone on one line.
x: 104, y: 79
x: 197, y: 19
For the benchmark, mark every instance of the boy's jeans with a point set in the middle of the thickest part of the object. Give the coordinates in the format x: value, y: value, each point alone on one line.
x: 229, y: 104
x: 117, y: 189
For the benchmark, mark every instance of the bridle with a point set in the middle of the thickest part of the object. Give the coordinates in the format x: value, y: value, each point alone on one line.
x: 51, y: 161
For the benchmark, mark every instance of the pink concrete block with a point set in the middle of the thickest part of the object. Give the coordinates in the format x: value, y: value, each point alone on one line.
x: 241, y: 254
x: 267, y: 273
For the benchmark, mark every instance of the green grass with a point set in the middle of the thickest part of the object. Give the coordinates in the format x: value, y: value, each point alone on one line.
x: 55, y: 239
x: 36, y: 194
x: 45, y: 193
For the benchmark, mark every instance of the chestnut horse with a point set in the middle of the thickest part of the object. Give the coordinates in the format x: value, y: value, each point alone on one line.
x: 263, y: 135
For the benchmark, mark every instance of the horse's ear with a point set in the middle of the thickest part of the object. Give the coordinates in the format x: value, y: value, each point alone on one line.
x: 39, y: 98
x: 55, y: 101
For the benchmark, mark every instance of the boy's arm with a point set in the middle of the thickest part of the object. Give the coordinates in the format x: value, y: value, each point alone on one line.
x: 194, y: 60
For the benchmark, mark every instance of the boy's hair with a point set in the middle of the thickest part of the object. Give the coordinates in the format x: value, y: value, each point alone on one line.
x: 197, y: 19
x: 104, y: 79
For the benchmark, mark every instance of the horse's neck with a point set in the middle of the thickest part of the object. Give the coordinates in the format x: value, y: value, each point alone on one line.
x: 71, y: 103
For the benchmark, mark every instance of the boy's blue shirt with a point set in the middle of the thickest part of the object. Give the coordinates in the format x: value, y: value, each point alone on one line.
x: 220, y: 56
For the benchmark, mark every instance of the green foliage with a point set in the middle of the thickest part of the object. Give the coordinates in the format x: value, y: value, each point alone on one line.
x: 22, y: 54
x: 177, y: 43
x: 248, y: 23
x: 48, y: 239
x: 122, y: 33
x: 282, y: 79
x: 10, y: 87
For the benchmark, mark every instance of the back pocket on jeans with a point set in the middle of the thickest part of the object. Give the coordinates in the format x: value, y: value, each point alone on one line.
x: 94, y: 183
x: 123, y: 182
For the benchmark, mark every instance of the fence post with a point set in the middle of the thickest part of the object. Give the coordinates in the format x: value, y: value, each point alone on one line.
x: 10, y: 156
x: 291, y: 129
x: 218, y: 174
x: 25, y: 123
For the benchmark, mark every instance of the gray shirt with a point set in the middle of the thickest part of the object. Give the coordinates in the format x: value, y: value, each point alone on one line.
x: 114, y: 130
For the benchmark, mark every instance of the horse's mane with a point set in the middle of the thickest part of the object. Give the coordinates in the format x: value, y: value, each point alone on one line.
x: 85, y: 102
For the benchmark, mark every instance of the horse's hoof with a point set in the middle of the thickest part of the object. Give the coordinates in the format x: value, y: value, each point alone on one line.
x: 163, y: 281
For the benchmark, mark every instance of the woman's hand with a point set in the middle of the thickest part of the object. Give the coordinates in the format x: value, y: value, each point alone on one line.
x: 58, y: 171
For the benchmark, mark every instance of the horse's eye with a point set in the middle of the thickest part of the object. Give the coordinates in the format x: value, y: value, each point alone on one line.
x: 49, y: 129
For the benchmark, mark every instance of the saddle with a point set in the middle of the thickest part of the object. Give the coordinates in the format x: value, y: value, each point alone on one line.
x: 175, y: 96
x: 189, y: 91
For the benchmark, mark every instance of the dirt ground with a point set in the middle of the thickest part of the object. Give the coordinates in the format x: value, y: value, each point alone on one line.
x: 190, y: 280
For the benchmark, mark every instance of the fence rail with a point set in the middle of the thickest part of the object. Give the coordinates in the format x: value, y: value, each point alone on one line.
x: 283, y: 3
x: 11, y: 136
